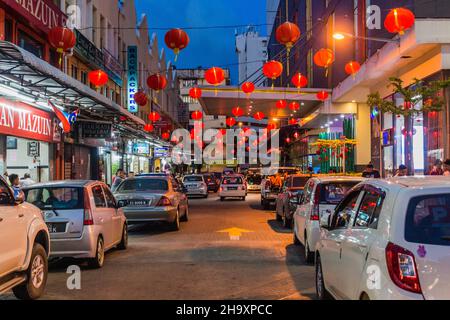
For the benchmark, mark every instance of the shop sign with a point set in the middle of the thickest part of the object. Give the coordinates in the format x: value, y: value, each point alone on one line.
x: 88, y: 51
x: 161, y: 152
x: 22, y: 120
x: 42, y: 14
x: 34, y: 149
x: 112, y: 67
x: 95, y: 130
x: 132, y: 78
x: 141, y: 148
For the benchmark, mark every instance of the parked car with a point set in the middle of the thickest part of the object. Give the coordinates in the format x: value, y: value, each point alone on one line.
x: 320, y: 198
x: 269, y: 192
x: 254, y: 183
x: 24, y: 247
x: 288, y: 199
x: 232, y: 186
x: 83, y: 218
x: 212, y: 182
x: 196, y: 185
x: 388, y: 240
x: 148, y: 199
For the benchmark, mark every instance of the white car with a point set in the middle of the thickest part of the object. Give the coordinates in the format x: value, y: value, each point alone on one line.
x: 320, y: 197
x: 195, y: 185
x: 388, y: 240
x: 233, y: 186
x: 24, y: 247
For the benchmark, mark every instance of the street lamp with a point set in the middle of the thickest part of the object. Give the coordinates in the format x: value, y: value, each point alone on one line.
x: 343, y: 35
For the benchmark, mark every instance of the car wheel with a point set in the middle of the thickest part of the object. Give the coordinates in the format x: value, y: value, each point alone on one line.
x: 222, y: 199
x: 123, y: 245
x: 185, y: 217
x: 175, y: 225
x: 266, y: 205
x: 244, y: 198
x: 287, y: 223
x: 99, y: 259
x: 309, y: 256
x: 37, y: 273
x: 321, y: 291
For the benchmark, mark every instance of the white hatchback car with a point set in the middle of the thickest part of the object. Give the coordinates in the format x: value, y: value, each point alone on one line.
x: 388, y: 240
x: 320, y: 197
x: 233, y: 186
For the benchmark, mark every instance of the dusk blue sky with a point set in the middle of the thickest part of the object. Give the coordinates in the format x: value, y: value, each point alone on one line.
x: 212, y: 47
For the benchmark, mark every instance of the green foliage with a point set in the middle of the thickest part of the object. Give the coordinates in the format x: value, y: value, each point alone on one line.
x: 429, y: 92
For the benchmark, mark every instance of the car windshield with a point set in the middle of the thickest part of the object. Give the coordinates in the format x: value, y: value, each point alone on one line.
x: 254, y: 180
x: 193, y: 179
x: 428, y: 220
x: 133, y: 185
x: 334, y: 192
x: 57, y: 198
x: 232, y: 180
x: 299, y: 182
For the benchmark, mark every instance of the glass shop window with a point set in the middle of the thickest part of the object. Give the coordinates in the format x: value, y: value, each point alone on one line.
x: 31, y: 45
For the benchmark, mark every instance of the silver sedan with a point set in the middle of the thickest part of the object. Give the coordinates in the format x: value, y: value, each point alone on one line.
x: 150, y: 198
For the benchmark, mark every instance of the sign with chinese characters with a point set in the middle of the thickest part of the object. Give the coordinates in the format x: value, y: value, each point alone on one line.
x: 42, y: 14
x: 132, y: 78
x: 22, y: 120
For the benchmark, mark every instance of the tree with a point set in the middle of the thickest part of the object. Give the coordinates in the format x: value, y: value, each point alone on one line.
x: 429, y: 93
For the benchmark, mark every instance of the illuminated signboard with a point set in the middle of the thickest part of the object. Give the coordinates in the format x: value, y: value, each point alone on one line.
x: 132, y: 78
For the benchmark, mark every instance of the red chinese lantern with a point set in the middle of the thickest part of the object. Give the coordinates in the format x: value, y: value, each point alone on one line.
x: 149, y: 128
x: 195, y: 93
x: 294, y: 106
x: 248, y: 87
x: 259, y: 116
x: 215, y: 76
x: 154, y: 116
x: 63, y: 39
x: 157, y: 82
x: 237, y: 112
x: 352, y: 68
x: 322, y: 95
x: 231, y: 122
x: 288, y: 34
x: 177, y: 40
x: 272, y: 70
x: 98, y: 78
x: 399, y: 20
x: 197, y: 115
x: 140, y: 98
x: 281, y: 104
x: 293, y: 122
x: 288, y: 140
x: 165, y: 135
x: 271, y: 126
x: 299, y: 80
x: 324, y: 58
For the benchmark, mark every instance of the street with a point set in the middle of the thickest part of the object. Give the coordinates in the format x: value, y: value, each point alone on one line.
x: 198, y: 262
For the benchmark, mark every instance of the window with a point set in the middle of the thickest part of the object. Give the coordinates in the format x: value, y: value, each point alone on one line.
x: 333, y: 193
x: 369, y: 210
x: 428, y: 220
x: 74, y: 72
x: 31, y: 45
x: 143, y: 185
x: 232, y: 180
x: 8, y: 30
x: 84, y: 77
x: 344, y: 211
x: 193, y: 179
x: 299, y: 182
x: 5, y: 194
x: 110, y: 200
x: 57, y: 198
x: 99, y: 198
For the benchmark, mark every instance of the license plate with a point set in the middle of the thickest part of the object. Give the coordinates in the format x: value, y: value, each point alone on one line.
x: 138, y: 203
x: 191, y: 187
x: 56, y: 227
x: 232, y: 188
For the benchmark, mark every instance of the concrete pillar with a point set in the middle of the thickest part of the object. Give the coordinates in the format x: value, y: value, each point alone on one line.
x: 363, y: 135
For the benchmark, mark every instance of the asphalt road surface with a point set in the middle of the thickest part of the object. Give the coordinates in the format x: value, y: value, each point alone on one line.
x: 228, y: 250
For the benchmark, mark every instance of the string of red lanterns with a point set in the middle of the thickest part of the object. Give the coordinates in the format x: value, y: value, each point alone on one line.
x: 98, y: 78
x: 195, y: 93
x: 281, y: 104
x: 322, y: 95
x: 294, y: 106
x: 62, y: 39
x: 215, y: 76
x: 237, y: 112
x: 157, y: 82
x: 288, y: 34
x: 259, y: 116
x: 352, y: 68
x: 197, y: 115
x: 299, y: 81
x: 399, y: 20
x: 154, y: 116
x: 273, y: 70
x: 140, y: 98
x: 324, y: 58
x: 248, y: 87
x: 177, y: 40
x: 231, y: 122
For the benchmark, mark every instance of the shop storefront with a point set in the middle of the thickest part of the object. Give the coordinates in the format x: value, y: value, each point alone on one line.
x: 138, y: 157
x: 27, y: 140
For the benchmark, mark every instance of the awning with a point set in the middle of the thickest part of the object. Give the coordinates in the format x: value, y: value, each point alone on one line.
x: 26, y: 77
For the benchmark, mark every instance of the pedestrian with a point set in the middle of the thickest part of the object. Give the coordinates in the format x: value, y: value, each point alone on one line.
x: 120, y: 176
x: 131, y: 174
x: 15, y: 185
x: 437, y: 168
x: 26, y: 181
x: 402, y: 171
x: 447, y: 168
x: 370, y: 172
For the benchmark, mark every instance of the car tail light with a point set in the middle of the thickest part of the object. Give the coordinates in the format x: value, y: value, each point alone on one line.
x: 402, y: 268
x: 316, y: 205
x: 221, y: 189
x: 88, y: 218
x: 164, y: 202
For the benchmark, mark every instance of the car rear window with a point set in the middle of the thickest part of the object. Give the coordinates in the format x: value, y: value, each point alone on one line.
x: 232, y: 180
x: 193, y: 179
x: 143, y: 185
x: 428, y: 220
x: 254, y: 180
x: 333, y: 193
x: 299, y: 182
x: 58, y: 198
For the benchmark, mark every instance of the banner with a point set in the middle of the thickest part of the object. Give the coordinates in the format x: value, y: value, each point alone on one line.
x: 132, y: 78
